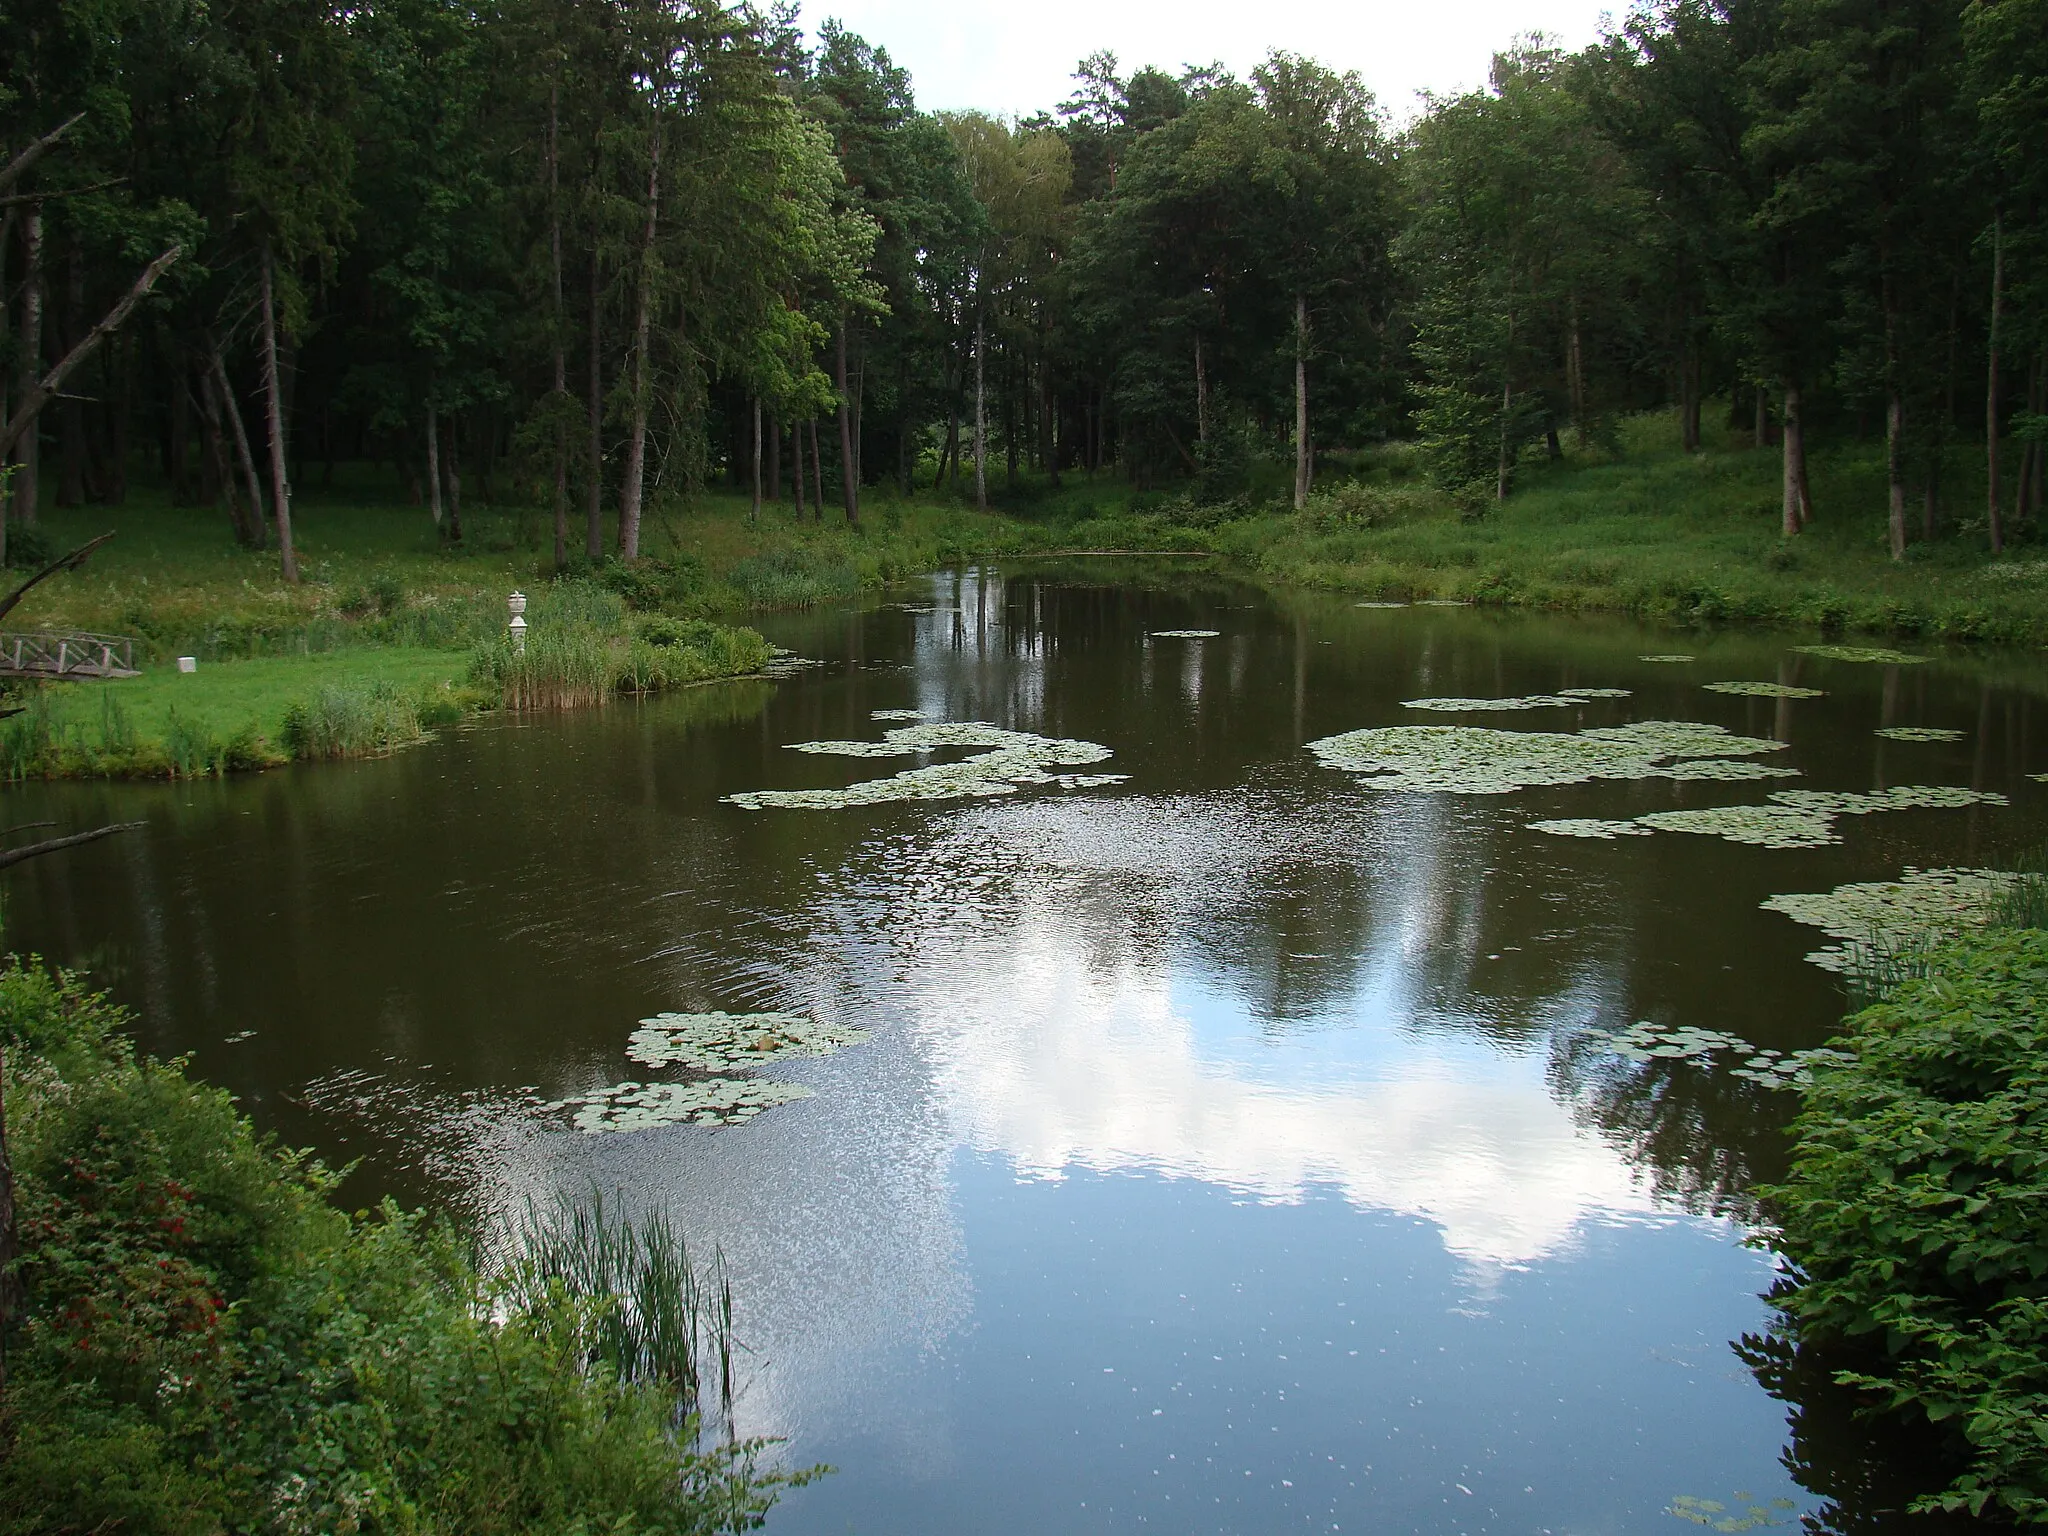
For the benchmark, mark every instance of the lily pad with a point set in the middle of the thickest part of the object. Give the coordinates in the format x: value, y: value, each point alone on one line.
x: 1379, y: 605
x: 1765, y: 690
x: 1918, y: 733
x: 1185, y: 634
x: 1482, y: 706
x: 1013, y: 759
x: 897, y: 714
x: 1645, y: 1041
x: 1589, y: 826
x: 1469, y: 760
x: 721, y: 1042
x: 1672, y: 657
x: 1921, y: 904
x: 1596, y: 693
x: 1859, y: 653
x: 701, y: 1101
x: 1762, y: 826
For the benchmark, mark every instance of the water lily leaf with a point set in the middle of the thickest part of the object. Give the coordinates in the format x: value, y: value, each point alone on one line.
x: 1470, y: 760
x: 701, y: 1101
x: 721, y: 1042
x: 1858, y: 653
x: 1921, y: 904
x: 1589, y: 826
x: 1185, y: 634
x: 1672, y: 657
x: 1766, y: 690
x: 1013, y: 759
x: 1918, y: 733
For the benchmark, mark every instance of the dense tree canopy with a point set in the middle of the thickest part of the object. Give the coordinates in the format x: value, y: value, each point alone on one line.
x: 593, y: 255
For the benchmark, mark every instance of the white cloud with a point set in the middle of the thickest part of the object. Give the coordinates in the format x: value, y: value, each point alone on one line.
x: 1020, y: 58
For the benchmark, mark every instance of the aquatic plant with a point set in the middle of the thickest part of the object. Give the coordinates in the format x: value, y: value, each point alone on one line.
x: 1589, y: 826
x: 1776, y: 1070
x: 1674, y: 656
x: 1748, y: 1514
x: 1597, y: 693
x: 1858, y: 653
x: 633, y: 1106
x: 1765, y: 690
x: 1185, y: 634
x: 1918, y: 733
x: 1761, y: 826
x: 719, y: 1042
x: 1800, y: 818
x: 1444, y: 602
x: 1379, y: 605
x: 1920, y: 905
x: 1013, y: 759
x: 1480, y: 706
x: 897, y: 714
x: 1470, y: 760
x: 1900, y: 797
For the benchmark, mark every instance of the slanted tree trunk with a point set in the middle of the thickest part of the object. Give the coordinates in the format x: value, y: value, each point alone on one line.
x: 232, y: 409
x: 1994, y: 493
x: 849, y: 488
x: 560, y: 318
x: 980, y: 412
x: 273, y: 405
x: 434, y: 466
x: 1301, y: 448
x: 643, y: 320
x: 248, y: 525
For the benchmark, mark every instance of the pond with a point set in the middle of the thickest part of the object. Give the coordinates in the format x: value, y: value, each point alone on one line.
x: 1225, y: 1123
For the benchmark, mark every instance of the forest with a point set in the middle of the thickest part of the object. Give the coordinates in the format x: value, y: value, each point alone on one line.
x: 598, y: 256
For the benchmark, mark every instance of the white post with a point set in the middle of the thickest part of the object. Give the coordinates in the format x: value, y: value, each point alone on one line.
x: 517, y: 604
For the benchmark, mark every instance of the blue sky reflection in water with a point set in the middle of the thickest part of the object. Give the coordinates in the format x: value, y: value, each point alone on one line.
x: 1178, y: 1091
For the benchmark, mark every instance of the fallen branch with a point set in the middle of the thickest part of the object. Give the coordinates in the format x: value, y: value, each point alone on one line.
x: 70, y: 562
x: 51, y: 845
x: 19, y: 165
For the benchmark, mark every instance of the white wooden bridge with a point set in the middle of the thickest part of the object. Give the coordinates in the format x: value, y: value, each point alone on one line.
x: 66, y: 654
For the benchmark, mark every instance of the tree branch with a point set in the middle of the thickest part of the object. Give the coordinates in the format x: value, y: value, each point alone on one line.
x: 70, y: 562
x: 20, y: 164
x: 25, y: 415
x: 51, y: 845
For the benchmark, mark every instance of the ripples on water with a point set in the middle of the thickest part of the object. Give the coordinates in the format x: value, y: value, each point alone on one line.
x: 1237, y: 1149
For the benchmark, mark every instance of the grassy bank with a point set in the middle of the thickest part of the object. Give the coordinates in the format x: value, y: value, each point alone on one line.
x: 204, y: 1343
x: 1915, y: 1217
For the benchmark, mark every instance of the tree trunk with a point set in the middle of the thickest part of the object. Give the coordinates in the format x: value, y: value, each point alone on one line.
x: 754, y: 512
x: 1760, y: 434
x: 796, y: 463
x: 1798, y: 494
x: 1301, y: 448
x: 1575, y: 375
x: 1895, y: 468
x: 273, y: 404
x: 71, y: 444
x: 817, y: 476
x: 643, y: 319
x: 774, y: 458
x: 10, y: 1289
x: 26, y: 490
x: 849, y: 486
x: 1993, y: 492
x: 980, y: 412
x: 1689, y: 395
x: 434, y: 466
x: 560, y: 326
x: 246, y: 525
x: 451, y: 464
x: 1201, y: 393
x: 593, y: 406
x: 232, y: 408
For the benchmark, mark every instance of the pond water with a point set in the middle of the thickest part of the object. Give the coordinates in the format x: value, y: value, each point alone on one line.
x: 1239, y: 1147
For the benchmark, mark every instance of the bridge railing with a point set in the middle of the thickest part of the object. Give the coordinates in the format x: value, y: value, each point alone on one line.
x: 67, y: 653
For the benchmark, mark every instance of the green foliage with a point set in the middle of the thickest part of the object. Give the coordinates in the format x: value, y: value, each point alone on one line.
x: 350, y: 722
x: 207, y: 1344
x: 1913, y: 1215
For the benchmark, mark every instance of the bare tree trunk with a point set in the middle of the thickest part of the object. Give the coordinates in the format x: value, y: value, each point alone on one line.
x: 849, y: 477
x: 1689, y: 395
x: 434, y: 466
x: 232, y: 409
x: 774, y: 458
x: 71, y: 444
x: 560, y: 326
x: 451, y: 463
x: 1301, y: 448
x: 817, y: 476
x: 796, y: 464
x: 273, y: 401
x: 1503, y: 461
x: 10, y: 1289
x: 593, y: 492
x: 643, y: 319
x: 1201, y: 393
x: 1760, y: 434
x: 1993, y: 492
x: 1895, y: 469
x: 980, y: 412
x: 754, y: 512
x: 1575, y: 376
x: 27, y: 489
x: 248, y: 527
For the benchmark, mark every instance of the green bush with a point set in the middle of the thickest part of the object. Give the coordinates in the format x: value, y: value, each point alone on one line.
x: 207, y: 1344
x: 1915, y: 1215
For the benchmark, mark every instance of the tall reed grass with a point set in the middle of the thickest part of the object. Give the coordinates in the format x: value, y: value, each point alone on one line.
x: 352, y: 722
x: 647, y: 1312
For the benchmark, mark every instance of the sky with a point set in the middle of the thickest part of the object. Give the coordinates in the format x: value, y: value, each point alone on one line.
x: 1019, y: 57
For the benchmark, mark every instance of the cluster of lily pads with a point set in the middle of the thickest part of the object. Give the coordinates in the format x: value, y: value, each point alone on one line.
x: 1644, y: 1041
x: 1379, y: 605
x: 786, y: 663
x: 1012, y: 759
x: 1468, y: 760
x: 1674, y: 656
x: 1918, y: 733
x: 1185, y: 634
x: 1886, y: 915
x: 1765, y: 690
x: 1563, y: 698
x: 1798, y: 818
x: 1857, y: 653
x: 716, y: 1044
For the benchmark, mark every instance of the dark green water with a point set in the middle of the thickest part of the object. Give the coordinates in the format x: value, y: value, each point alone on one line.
x: 1233, y: 1152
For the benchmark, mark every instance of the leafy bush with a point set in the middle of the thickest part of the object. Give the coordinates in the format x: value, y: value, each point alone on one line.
x: 207, y: 1344
x: 1915, y: 1215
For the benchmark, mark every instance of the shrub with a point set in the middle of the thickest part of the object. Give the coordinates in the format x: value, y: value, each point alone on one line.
x: 1915, y: 1215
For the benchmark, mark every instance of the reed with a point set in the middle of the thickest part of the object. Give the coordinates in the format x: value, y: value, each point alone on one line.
x: 341, y: 722
x: 647, y: 1313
